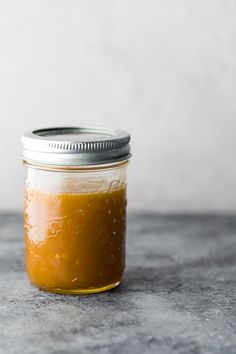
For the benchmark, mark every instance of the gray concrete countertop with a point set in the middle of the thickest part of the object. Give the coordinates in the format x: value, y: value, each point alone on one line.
x: 178, y: 296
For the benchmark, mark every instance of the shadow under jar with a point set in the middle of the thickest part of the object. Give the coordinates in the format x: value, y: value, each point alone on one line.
x: 75, y: 208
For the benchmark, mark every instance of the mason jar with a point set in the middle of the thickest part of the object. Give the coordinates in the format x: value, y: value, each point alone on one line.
x: 75, y: 208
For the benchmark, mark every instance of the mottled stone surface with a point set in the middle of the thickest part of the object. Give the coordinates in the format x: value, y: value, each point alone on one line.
x: 178, y: 296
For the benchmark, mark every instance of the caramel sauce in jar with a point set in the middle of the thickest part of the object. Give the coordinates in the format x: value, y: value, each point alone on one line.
x: 75, y: 243
x: 75, y: 207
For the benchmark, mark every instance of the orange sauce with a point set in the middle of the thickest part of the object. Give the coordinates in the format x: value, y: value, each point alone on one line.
x: 75, y: 243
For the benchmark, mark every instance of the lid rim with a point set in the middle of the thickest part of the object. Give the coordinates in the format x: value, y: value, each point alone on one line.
x: 84, y: 149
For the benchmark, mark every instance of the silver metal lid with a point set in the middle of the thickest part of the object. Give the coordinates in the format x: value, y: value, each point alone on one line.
x: 75, y: 146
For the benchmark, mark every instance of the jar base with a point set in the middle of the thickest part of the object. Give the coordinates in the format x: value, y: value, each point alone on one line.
x: 79, y: 291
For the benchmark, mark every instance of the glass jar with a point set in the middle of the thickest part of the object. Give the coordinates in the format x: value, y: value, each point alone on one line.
x: 75, y: 208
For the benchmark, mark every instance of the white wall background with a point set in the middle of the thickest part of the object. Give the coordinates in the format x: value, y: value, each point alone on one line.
x: 164, y: 70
